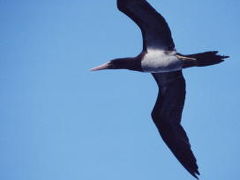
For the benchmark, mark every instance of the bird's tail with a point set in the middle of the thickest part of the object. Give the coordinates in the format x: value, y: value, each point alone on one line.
x: 202, y: 59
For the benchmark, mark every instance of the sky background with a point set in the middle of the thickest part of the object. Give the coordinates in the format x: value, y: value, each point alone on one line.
x: 59, y: 121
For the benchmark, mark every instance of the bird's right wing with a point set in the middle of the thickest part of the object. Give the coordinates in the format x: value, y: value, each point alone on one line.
x: 167, y: 114
x: 155, y: 30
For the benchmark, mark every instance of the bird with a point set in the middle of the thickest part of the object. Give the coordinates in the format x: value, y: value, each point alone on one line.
x: 160, y: 58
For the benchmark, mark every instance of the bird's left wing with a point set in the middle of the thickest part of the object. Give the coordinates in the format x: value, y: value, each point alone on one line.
x: 154, y: 28
x: 167, y: 114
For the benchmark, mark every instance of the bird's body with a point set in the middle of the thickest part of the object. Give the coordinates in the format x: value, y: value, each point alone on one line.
x: 160, y: 58
x: 159, y: 61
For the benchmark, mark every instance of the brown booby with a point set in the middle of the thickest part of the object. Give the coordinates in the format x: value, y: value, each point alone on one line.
x: 160, y: 58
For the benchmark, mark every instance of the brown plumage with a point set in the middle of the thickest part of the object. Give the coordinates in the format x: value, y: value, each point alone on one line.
x: 165, y: 63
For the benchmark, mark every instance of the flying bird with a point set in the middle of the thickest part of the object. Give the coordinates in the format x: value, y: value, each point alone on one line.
x: 160, y: 58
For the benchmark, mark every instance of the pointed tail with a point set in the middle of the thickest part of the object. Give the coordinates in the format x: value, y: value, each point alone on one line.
x: 203, y: 59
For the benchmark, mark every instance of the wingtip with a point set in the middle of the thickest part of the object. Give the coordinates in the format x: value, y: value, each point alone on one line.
x: 196, y: 174
x: 225, y: 57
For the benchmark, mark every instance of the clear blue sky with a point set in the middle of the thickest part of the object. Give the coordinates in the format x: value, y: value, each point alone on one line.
x: 58, y: 121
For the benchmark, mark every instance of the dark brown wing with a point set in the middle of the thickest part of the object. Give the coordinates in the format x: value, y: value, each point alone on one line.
x: 167, y: 114
x: 155, y: 30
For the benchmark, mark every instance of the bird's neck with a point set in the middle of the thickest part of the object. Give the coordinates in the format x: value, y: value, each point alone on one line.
x: 127, y: 63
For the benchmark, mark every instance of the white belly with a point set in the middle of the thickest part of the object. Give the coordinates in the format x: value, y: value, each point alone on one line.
x: 157, y: 61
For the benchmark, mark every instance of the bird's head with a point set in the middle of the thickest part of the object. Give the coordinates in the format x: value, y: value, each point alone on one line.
x: 121, y: 63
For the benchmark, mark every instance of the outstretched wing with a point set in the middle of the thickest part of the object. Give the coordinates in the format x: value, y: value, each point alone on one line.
x: 154, y: 28
x: 167, y: 114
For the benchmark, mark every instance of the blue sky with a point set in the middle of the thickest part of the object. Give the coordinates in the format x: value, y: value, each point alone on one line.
x: 60, y: 121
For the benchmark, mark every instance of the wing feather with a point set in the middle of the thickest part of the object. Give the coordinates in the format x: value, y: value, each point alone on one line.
x: 154, y: 28
x: 167, y: 114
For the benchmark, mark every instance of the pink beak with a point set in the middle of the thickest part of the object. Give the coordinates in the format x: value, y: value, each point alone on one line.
x: 101, y: 67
